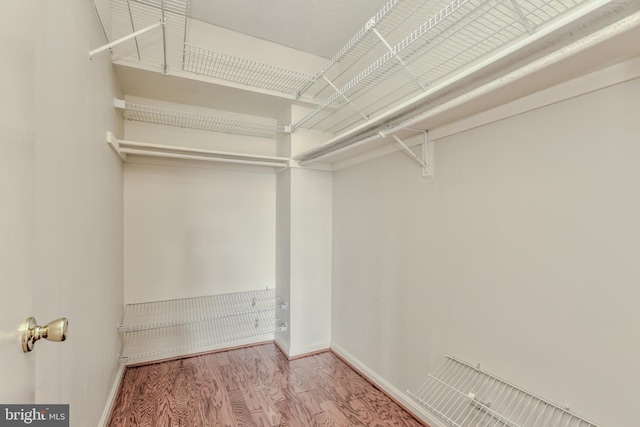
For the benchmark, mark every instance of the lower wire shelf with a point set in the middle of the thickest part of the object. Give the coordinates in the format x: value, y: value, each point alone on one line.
x: 160, y: 314
x: 187, y: 326
x: 463, y: 395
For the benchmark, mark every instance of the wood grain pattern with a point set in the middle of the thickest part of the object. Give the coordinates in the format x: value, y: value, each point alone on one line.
x: 252, y: 386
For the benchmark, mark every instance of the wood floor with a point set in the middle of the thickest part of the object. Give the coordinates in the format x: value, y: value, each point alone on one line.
x: 253, y: 386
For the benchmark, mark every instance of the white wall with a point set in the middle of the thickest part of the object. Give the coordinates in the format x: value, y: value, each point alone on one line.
x: 310, y: 293
x: 196, y: 229
x: 77, y: 196
x: 17, y: 145
x: 521, y: 254
x: 303, y: 259
x: 303, y: 241
x: 283, y: 254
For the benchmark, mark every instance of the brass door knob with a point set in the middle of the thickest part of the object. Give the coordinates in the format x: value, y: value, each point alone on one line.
x: 55, y: 330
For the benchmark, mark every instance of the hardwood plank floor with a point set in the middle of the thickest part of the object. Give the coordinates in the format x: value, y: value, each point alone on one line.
x: 252, y: 386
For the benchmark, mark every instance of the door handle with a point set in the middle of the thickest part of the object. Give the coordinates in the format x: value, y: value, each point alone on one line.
x: 55, y: 330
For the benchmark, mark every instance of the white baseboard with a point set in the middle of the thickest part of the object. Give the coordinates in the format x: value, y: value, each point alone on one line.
x: 284, y: 347
x: 112, y: 396
x: 292, y: 353
x: 402, y: 398
x: 301, y: 351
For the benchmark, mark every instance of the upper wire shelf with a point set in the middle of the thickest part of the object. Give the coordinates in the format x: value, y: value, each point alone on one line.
x: 161, y: 48
x: 169, y: 49
x: 164, y: 116
x: 408, y: 50
x: 411, y: 46
x: 219, y: 65
x: 466, y: 396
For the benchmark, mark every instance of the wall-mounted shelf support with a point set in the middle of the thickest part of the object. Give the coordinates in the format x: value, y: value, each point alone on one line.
x: 523, y: 18
x: 409, y: 152
x: 163, y: 21
x: 399, y: 59
x: 281, y: 304
x: 108, y: 46
x: 427, y: 169
x: 427, y: 155
x: 345, y: 98
x: 115, y: 146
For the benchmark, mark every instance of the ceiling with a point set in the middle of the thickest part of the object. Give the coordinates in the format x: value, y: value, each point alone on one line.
x: 319, y: 27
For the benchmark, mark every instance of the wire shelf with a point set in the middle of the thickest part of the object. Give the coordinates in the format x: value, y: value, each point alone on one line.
x: 163, y: 116
x: 161, y: 314
x: 158, y: 47
x: 399, y: 55
x: 161, y: 329
x: 210, y: 63
x: 159, y: 343
x: 409, y: 48
x: 466, y: 396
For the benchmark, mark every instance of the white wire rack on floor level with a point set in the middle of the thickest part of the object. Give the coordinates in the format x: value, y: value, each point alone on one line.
x: 466, y: 396
x: 164, y: 329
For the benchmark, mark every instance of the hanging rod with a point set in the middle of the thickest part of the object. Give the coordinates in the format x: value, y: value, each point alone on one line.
x: 426, y: 161
x: 122, y: 148
x: 346, y: 141
x: 485, y: 33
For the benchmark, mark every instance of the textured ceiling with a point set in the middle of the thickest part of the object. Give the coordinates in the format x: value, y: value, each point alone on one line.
x: 320, y: 27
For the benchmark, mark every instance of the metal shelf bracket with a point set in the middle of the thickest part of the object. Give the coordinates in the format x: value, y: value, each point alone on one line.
x: 162, y: 23
x: 399, y: 59
x: 107, y: 46
x: 115, y: 146
x: 426, y: 161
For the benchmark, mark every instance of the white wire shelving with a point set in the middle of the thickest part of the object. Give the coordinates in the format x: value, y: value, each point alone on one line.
x: 463, y: 395
x: 412, y: 45
x: 160, y: 314
x: 160, y: 47
x: 153, y: 32
x: 185, y: 119
x: 223, y: 66
x: 191, y: 120
x: 411, y: 56
x: 164, y: 329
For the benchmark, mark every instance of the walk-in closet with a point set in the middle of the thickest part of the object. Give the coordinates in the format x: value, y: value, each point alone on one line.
x: 427, y: 209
